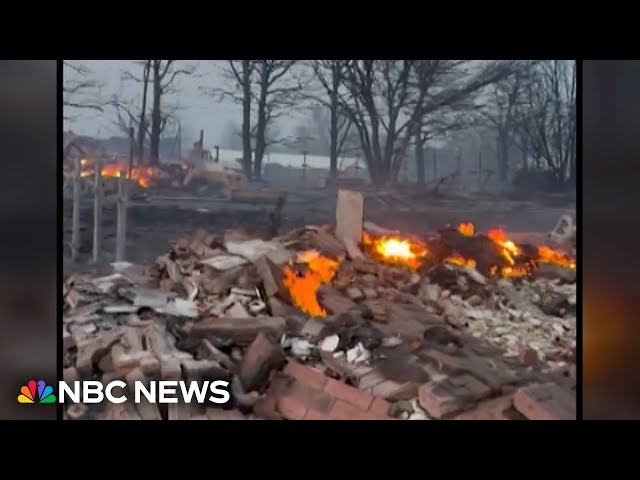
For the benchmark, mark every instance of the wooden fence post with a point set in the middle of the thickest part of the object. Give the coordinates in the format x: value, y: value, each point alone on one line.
x: 97, y: 212
x: 121, y: 235
x: 75, y: 225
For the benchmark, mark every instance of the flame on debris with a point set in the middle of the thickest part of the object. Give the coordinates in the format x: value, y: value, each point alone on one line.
x: 457, y: 259
x: 396, y: 250
x: 508, y: 249
x: 466, y: 229
x: 303, y: 277
x: 557, y: 257
x: 143, y: 175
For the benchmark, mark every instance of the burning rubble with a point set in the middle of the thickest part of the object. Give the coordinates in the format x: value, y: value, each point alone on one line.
x: 459, y: 324
x: 144, y: 176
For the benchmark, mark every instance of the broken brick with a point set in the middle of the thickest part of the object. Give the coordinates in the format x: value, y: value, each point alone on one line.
x: 335, y: 303
x: 500, y: 408
x: 354, y: 293
x: 451, y: 395
x: 261, y: 358
x: 394, y: 391
x: 351, y: 395
x: 242, y: 330
x: 529, y: 356
x: 545, y: 401
x: 266, y: 408
x: 306, y: 375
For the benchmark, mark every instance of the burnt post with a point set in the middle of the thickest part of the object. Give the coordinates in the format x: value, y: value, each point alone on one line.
x: 132, y: 142
x: 435, y: 170
x: 304, y: 164
x: 480, y: 170
x: 121, y: 234
x: 217, y: 153
x: 75, y: 219
x: 97, y: 212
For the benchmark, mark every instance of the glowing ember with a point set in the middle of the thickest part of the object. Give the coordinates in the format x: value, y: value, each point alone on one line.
x: 508, y: 249
x: 556, y: 257
x: 466, y: 229
x: 396, y: 250
x: 460, y: 260
x: 303, y: 285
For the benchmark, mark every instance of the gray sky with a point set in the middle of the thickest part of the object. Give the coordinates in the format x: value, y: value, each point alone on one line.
x: 198, y: 110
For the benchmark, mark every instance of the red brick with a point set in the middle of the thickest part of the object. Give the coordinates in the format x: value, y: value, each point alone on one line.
x: 468, y: 387
x: 351, y: 395
x: 545, y: 401
x: 379, y: 407
x: 220, y: 414
x: 529, y: 356
x: 261, y: 358
x: 315, y: 415
x: 291, y: 407
x: 266, y: 408
x: 306, y: 375
x: 370, y: 380
x: 451, y: 395
x: 344, y: 411
x: 495, y: 409
x: 394, y: 391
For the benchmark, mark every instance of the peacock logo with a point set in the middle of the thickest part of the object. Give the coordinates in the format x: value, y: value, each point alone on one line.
x: 44, y: 391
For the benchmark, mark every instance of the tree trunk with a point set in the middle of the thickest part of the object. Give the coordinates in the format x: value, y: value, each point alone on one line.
x: 419, y: 158
x: 503, y: 157
x: 261, y: 129
x: 246, y: 117
x: 525, y: 154
x: 156, y: 116
x: 333, y: 129
x: 143, y: 112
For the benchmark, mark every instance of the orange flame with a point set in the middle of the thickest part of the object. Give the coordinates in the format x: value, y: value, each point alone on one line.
x: 508, y: 249
x: 457, y: 259
x: 557, y: 257
x: 303, y: 286
x: 143, y: 175
x: 466, y: 229
x: 396, y: 250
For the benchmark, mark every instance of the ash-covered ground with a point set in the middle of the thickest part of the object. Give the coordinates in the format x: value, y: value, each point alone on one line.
x: 153, y: 224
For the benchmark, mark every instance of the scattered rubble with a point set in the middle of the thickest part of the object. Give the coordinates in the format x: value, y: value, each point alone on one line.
x: 317, y: 325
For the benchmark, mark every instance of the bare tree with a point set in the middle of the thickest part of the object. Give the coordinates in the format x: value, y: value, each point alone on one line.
x: 505, y: 112
x: 330, y: 76
x: 138, y: 120
x: 80, y: 91
x: 238, y: 75
x: 277, y: 92
x: 550, y: 125
x: 164, y: 74
x: 387, y: 101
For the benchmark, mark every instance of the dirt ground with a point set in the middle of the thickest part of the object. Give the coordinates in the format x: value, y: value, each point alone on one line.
x: 153, y: 225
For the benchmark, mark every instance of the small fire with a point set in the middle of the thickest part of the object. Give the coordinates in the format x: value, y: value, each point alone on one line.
x: 303, y: 285
x: 459, y: 260
x: 557, y: 257
x: 466, y: 229
x: 396, y: 250
x: 142, y: 175
x: 508, y: 249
